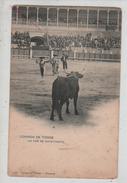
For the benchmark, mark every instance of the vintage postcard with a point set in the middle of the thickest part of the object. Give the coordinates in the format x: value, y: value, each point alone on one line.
x: 64, y: 91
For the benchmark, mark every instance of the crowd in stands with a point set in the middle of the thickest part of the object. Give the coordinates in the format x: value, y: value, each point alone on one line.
x: 60, y: 42
x: 21, y: 39
x: 105, y: 43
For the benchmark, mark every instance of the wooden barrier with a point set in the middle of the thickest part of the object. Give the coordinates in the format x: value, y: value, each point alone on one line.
x: 72, y: 55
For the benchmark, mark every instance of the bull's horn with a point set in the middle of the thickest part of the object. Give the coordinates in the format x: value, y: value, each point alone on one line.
x: 83, y: 71
x: 66, y: 72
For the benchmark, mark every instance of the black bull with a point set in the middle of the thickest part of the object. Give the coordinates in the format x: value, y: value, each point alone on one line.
x: 63, y: 89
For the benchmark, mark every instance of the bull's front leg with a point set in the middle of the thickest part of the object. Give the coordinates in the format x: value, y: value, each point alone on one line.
x: 67, y: 106
x: 60, y: 111
x: 52, y: 113
x: 75, y: 104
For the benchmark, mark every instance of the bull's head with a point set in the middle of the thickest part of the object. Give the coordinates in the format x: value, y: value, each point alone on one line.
x: 75, y: 74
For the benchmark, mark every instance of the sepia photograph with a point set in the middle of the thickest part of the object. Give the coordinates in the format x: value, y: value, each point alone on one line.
x: 64, y: 91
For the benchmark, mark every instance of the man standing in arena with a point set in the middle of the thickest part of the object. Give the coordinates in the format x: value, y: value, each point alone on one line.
x: 64, y: 60
x: 54, y: 64
x: 41, y: 65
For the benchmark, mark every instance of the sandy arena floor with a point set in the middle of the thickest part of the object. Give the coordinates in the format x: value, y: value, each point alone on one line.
x: 83, y: 146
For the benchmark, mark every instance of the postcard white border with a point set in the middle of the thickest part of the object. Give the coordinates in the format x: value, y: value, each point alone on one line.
x: 5, y: 40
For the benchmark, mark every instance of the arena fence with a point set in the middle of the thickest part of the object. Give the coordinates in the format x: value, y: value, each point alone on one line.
x: 38, y: 52
x: 21, y: 53
x: 72, y: 55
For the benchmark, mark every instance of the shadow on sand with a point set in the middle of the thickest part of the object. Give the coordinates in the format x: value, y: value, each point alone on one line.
x: 42, y: 109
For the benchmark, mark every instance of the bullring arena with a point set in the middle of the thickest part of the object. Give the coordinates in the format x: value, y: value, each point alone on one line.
x: 91, y: 37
